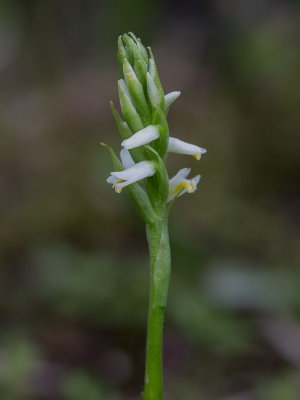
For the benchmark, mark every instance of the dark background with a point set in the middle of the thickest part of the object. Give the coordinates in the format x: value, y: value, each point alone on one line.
x: 74, y: 263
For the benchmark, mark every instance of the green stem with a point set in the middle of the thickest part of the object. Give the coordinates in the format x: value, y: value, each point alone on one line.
x: 159, y: 247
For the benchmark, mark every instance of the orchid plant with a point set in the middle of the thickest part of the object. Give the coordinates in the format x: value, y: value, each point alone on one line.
x: 141, y: 170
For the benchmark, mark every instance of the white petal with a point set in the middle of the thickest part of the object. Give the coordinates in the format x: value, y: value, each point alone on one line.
x: 181, y: 174
x: 171, y: 97
x: 126, y: 158
x: 179, y: 146
x: 141, y: 137
x: 196, y: 180
x: 111, y: 179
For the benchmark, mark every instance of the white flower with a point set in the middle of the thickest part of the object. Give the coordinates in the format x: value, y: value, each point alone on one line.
x: 181, y: 147
x: 142, y: 137
x: 133, y: 173
x: 151, y: 132
x: 179, y: 185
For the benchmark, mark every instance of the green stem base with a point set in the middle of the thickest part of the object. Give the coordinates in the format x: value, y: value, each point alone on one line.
x: 158, y: 239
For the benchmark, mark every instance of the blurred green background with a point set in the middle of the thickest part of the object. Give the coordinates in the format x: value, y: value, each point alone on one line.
x: 74, y: 266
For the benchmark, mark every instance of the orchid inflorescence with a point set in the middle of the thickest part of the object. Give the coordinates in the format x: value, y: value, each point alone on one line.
x: 145, y: 133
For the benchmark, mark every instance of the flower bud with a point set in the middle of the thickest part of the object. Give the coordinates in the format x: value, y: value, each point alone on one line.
x: 153, y: 71
x: 121, y: 55
x: 155, y: 95
x: 129, y: 44
x: 129, y: 112
x: 136, y: 91
x: 140, y: 67
x: 140, y: 47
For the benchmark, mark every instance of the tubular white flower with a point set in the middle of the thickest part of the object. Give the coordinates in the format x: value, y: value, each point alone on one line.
x: 171, y: 97
x: 179, y: 185
x: 141, y: 170
x: 141, y: 137
x: 181, y: 147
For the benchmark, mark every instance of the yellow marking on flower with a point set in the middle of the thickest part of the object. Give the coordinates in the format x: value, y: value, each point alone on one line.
x: 181, y: 186
x: 118, y: 190
x: 197, y: 156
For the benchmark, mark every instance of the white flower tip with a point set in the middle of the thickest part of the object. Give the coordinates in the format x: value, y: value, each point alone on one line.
x: 118, y: 189
x: 171, y: 97
x: 123, y: 144
x: 200, y: 153
x: 196, y: 180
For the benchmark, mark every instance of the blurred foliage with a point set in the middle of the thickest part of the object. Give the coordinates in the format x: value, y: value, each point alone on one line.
x: 74, y: 273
